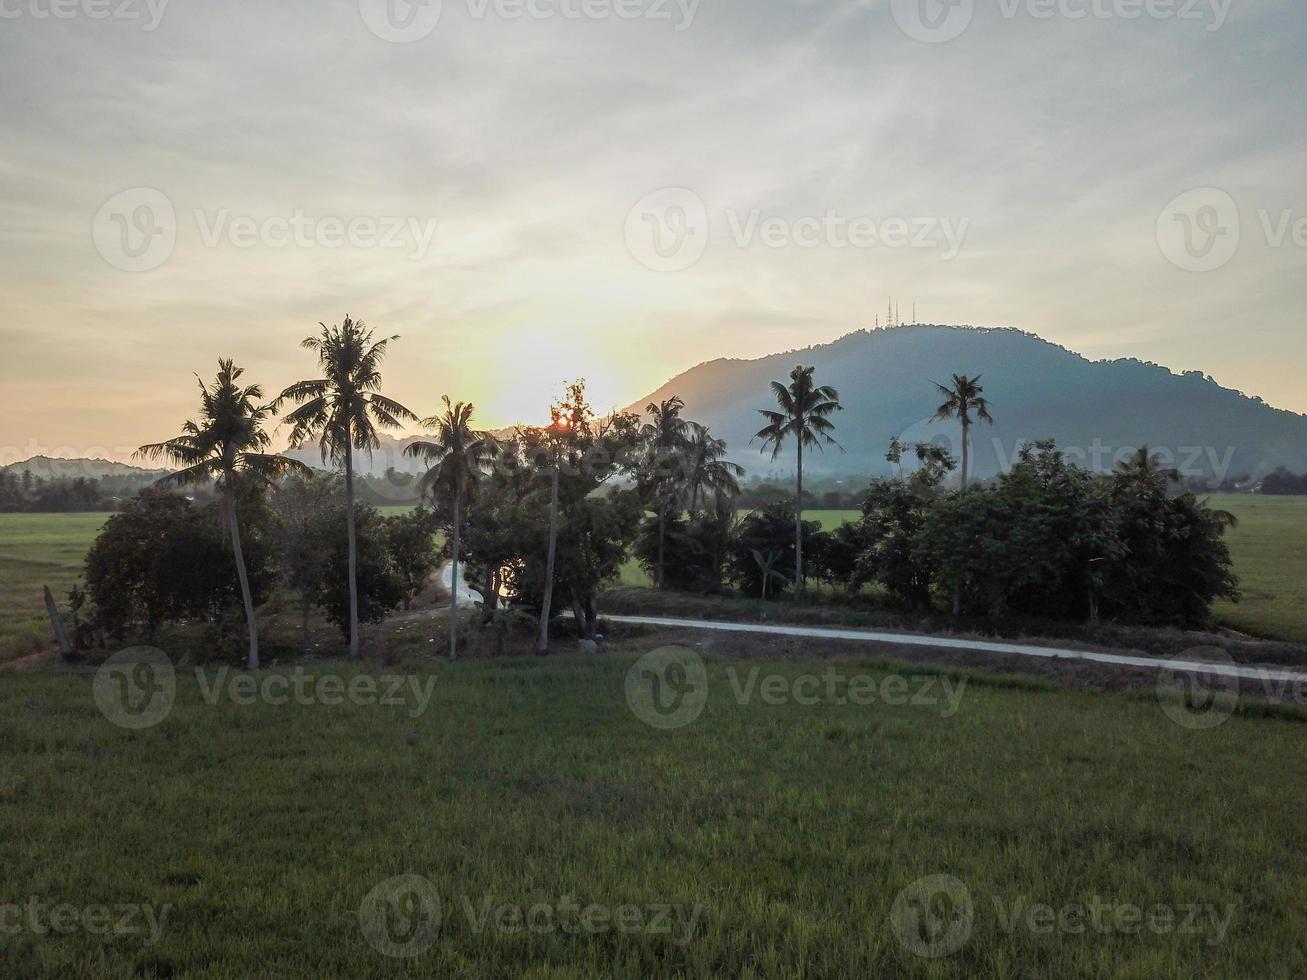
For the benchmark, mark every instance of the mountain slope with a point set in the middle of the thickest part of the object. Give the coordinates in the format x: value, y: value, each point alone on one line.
x: 1096, y: 410
x: 52, y: 468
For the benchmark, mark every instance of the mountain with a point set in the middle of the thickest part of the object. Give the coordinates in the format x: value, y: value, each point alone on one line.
x: 1096, y: 410
x: 389, y: 455
x: 52, y: 468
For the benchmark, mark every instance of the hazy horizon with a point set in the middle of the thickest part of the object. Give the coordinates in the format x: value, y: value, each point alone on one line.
x: 530, y: 194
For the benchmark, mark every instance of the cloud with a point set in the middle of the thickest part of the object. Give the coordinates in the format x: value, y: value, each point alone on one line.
x: 529, y: 141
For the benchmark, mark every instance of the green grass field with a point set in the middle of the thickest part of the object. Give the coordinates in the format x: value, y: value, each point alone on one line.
x: 37, y: 550
x: 792, y: 829
x: 1269, y: 548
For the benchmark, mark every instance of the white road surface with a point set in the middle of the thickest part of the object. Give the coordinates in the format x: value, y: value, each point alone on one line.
x: 1272, y: 674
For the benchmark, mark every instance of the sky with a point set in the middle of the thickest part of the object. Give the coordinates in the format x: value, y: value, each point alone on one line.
x: 531, y: 191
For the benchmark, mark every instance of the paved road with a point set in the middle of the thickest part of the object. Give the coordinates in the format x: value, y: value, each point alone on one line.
x: 982, y: 646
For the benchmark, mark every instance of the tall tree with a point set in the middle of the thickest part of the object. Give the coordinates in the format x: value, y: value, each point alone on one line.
x: 1144, y: 468
x: 225, y: 445
x: 570, y: 428
x: 342, y: 411
x: 805, y: 410
x: 709, y: 472
x: 962, y: 397
x: 663, y: 477
x: 457, y: 458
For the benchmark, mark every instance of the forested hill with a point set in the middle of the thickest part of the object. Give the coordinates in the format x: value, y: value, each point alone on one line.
x: 1036, y: 390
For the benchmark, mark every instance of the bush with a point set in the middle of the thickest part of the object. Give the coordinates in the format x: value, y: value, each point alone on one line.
x: 411, y: 542
x: 695, y: 549
x: 761, y: 559
x: 1050, y: 539
x: 380, y: 588
x: 163, y: 560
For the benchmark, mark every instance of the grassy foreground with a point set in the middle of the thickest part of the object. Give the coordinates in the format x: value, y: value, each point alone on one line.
x: 766, y: 838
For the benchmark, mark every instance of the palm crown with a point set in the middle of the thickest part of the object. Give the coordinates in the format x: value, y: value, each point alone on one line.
x: 962, y: 396
x: 709, y: 471
x: 228, y: 440
x: 804, y: 413
x: 457, y: 455
x: 344, y: 407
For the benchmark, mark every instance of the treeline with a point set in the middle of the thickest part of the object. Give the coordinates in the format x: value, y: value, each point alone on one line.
x: 24, y: 490
x: 1282, y: 482
x: 1047, y: 539
x: 542, y: 520
x: 167, y: 559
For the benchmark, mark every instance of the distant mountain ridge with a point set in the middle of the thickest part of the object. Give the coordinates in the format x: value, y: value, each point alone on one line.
x: 58, y: 468
x: 1096, y: 410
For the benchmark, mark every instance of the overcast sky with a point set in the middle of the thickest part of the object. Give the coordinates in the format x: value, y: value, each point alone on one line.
x: 212, y: 179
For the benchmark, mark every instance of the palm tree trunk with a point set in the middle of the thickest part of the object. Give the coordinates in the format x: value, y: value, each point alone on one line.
x: 798, y: 530
x: 966, y: 451
x: 662, y: 532
x: 453, y: 587
x: 251, y: 626
x: 966, y: 459
x: 542, y: 645
x: 353, y: 548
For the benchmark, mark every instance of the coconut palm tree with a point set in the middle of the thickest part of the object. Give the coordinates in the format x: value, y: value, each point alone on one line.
x: 665, y: 440
x: 804, y: 413
x: 962, y: 396
x: 457, y: 458
x: 570, y: 423
x: 226, y: 445
x: 708, y: 472
x: 342, y: 411
x: 1144, y: 467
